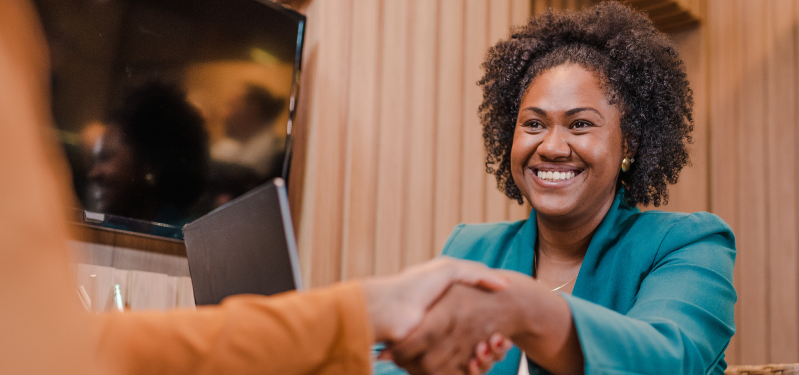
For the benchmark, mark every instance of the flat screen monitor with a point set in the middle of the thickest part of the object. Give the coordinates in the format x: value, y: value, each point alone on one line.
x: 168, y: 109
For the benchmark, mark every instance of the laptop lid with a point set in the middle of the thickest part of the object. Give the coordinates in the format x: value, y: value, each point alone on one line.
x: 245, y: 246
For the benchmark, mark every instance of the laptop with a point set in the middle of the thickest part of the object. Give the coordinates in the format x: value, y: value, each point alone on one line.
x: 245, y: 246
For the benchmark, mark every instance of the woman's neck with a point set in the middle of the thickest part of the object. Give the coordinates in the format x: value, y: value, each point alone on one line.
x: 565, y: 241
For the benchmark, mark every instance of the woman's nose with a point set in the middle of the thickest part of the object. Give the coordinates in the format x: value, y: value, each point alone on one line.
x: 555, y: 144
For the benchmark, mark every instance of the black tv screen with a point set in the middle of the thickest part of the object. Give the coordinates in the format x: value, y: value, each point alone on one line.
x: 168, y: 109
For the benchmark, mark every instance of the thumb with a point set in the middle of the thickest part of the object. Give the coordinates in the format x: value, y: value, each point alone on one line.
x: 475, y: 274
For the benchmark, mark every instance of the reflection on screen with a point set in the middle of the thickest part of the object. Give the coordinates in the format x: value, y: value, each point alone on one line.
x: 169, y: 109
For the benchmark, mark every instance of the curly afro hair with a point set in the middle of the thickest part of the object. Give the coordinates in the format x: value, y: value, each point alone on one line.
x: 638, y: 67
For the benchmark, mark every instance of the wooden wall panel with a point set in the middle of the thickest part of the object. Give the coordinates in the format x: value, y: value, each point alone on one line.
x: 691, y: 193
x: 321, y: 225
x: 392, y: 170
x: 449, y: 119
x: 360, y: 189
x: 781, y: 166
x: 418, y: 234
x: 473, y: 183
x: 723, y: 62
x: 394, y: 153
x: 752, y: 74
x: 752, y: 239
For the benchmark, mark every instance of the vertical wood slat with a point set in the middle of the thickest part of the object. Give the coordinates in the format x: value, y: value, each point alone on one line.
x: 753, y: 238
x: 327, y: 132
x: 496, y: 203
x: 722, y: 24
x: 418, y: 224
x: 448, y: 120
x: 690, y: 194
x: 358, y: 243
x: 473, y: 171
x: 571, y: 4
x: 781, y: 168
x: 538, y: 6
x: 520, y: 12
x: 795, y: 12
x: 393, y: 133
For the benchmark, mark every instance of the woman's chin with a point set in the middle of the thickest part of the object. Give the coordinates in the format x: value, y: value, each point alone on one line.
x: 555, y: 216
x: 554, y: 207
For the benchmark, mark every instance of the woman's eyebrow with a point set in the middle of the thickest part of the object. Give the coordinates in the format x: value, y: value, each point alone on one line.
x: 570, y: 112
x: 581, y: 109
x: 537, y: 110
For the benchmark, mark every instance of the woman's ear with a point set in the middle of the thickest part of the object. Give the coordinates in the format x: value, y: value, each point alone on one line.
x: 629, y: 146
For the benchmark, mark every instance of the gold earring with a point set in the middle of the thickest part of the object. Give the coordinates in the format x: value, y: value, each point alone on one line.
x: 626, y: 163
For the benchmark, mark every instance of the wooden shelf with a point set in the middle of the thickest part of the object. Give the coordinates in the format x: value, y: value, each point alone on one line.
x: 118, y: 238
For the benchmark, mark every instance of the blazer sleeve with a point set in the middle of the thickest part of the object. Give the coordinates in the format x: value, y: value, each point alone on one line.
x: 324, y: 331
x: 682, y: 319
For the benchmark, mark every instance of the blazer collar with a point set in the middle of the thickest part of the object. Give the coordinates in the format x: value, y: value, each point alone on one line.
x: 520, y: 255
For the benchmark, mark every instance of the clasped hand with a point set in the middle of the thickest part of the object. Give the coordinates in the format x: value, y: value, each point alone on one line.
x: 436, y: 318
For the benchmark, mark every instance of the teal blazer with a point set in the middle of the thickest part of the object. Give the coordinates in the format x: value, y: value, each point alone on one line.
x: 654, y: 294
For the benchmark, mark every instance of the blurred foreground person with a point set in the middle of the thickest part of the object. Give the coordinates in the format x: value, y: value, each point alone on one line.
x: 46, y: 332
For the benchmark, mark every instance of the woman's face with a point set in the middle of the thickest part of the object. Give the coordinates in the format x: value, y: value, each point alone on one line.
x: 567, y: 146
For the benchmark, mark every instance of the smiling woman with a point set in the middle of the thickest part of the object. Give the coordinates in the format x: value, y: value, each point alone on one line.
x: 585, y: 115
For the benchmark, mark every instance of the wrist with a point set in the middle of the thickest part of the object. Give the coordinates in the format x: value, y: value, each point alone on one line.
x: 523, y: 299
x: 373, y: 294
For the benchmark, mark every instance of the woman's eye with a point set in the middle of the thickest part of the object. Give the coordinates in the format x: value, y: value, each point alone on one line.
x: 533, y: 125
x: 581, y: 125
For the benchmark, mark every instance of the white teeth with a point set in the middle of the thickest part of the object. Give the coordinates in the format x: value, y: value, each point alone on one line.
x: 555, y: 176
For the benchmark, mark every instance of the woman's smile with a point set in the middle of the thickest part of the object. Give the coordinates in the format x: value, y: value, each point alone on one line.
x: 555, y: 175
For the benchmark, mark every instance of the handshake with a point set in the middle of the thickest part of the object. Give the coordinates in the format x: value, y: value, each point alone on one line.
x: 441, y: 317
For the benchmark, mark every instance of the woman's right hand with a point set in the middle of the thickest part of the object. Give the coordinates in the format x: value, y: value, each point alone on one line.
x: 452, y: 336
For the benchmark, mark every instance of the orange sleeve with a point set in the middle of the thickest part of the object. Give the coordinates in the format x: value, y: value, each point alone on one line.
x: 324, y: 331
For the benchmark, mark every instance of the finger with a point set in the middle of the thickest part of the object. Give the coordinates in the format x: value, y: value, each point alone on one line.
x: 485, y: 366
x: 495, y: 340
x: 482, y: 352
x: 476, y: 274
x: 474, y: 367
x: 499, y: 346
x: 484, y: 357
